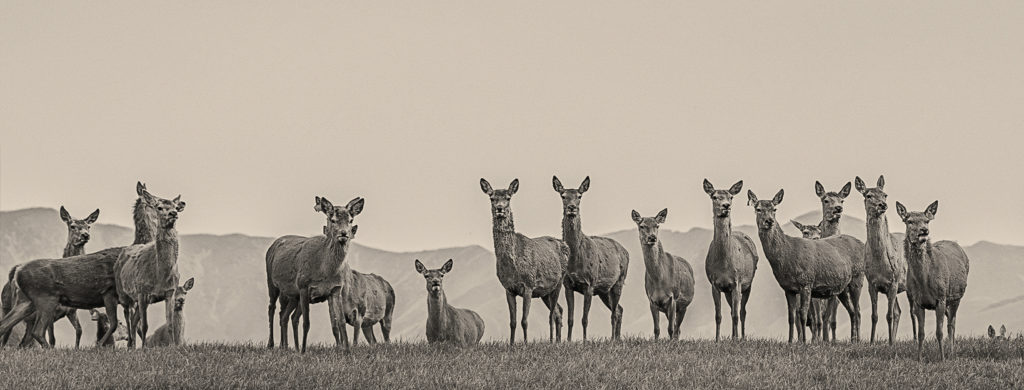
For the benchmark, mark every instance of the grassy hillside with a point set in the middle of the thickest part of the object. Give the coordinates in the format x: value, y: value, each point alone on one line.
x: 632, y: 363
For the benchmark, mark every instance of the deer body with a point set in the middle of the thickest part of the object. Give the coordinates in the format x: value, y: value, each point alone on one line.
x: 170, y: 334
x: 526, y: 267
x: 668, y: 279
x: 731, y: 261
x: 831, y: 213
x: 444, y: 322
x: 364, y: 301
x: 102, y: 325
x: 597, y: 265
x: 307, y: 270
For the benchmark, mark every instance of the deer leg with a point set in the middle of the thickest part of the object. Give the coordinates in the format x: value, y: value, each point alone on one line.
x: 656, y: 316
x: 570, y: 303
x: 846, y: 300
x: 940, y: 314
x: 554, y: 314
x: 527, y: 299
x: 271, y: 308
x: 143, y: 320
x: 743, y: 313
x: 368, y: 334
x: 286, y: 310
x: 854, y: 288
x: 334, y: 311
x: 734, y: 305
x: 73, y: 319
x: 873, y: 294
x: 21, y: 311
x: 295, y: 317
x: 510, y: 298
x: 920, y: 329
x: 588, y: 295
x: 49, y: 334
x: 671, y: 314
x: 615, y: 297
x: 27, y: 340
x: 792, y: 300
x: 893, y: 316
x: 385, y: 327
x: 805, y: 305
x: 110, y: 303
x: 131, y: 324
x: 45, y: 310
x: 951, y: 309
x: 304, y: 307
x: 914, y: 317
x: 716, y: 295
x: 680, y: 313
x: 357, y: 325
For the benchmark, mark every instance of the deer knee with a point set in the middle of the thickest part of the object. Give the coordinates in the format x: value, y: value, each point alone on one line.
x: 874, y: 317
x: 718, y: 318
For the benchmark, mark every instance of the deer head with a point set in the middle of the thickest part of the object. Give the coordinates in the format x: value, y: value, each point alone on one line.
x: 166, y: 210
x: 917, y: 222
x: 831, y: 202
x: 78, y: 229
x: 649, y: 226
x: 1002, y: 333
x: 874, y: 198
x: 96, y: 315
x: 721, y: 200
x: 500, y: 199
x: 765, y: 209
x: 570, y: 197
x: 434, y: 276
x: 180, y: 292
x: 812, y: 232
x: 340, y: 218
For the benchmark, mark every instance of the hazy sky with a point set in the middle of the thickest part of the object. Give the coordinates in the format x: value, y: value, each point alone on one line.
x: 249, y: 110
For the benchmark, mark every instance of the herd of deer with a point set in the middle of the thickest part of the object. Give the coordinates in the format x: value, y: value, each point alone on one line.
x: 818, y: 270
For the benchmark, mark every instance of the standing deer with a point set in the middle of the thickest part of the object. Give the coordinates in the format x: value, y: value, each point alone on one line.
x: 807, y: 268
x: 885, y: 265
x: 102, y: 325
x: 307, y: 270
x: 831, y: 213
x: 78, y: 236
x: 148, y: 273
x: 365, y: 300
x: 936, y: 277
x: 731, y: 261
x: 668, y: 279
x: 597, y: 265
x: 171, y: 333
x: 444, y: 322
x: 527, y: 267
x: 815, y: 317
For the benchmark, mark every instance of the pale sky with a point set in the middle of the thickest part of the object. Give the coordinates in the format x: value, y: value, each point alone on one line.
x: 250, y: 110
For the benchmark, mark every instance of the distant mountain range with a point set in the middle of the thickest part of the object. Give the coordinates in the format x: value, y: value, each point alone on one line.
x: 229, y: 301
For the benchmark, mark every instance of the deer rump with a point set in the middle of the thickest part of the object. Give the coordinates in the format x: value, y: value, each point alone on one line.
x: 827, y: 265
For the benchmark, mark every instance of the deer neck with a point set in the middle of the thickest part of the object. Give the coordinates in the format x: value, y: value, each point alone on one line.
x: 655, y: 259
x: 919, y: 258
x: 829, y: 224
x: 167, y: 247
x: 879, y: 243
x: 723, y: 234
x: 504, y: 237
x: 71, y: 249
x: 436, y: 313
x: 145, y: 224
x: 334, y: 256
x: 572, y: 232
x: 177, y: 325
x: 775, y: 244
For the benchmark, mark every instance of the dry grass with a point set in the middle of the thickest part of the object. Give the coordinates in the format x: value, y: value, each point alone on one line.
x: 633, y: 363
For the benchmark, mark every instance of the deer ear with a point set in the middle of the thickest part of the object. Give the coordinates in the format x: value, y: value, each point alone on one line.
x: 843, y: 193
x: 355, y: 206
x: 557, y: 184
x: 419, y: 267
x: 1002, y: 330
x: 857, y: 182
x: 447, y: 267
x: 585, y: 185
x: 188, y: 284
x: 708, y: 188
x: 751, y: 198
x: 355, y: 228
x: 179, y: 204
x: 881, y: 181
x: 325, y: 230
x: 64, y: 215
x: 486, y: 187
x: 513, y: 187
x: 140, y: 188
x: 661, y: 216
x: 778, y: 197
x: 636, y: 216
x: 931, y: 210
x: 736, y: 188
x: 798, y: 225
x: 323, y: 205
x: 991, y: 332
x: 901, y: 211
x: 91, y: 219
x: 819, y: 189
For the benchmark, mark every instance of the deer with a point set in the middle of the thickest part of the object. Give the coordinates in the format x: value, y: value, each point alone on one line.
x: 597, y: 265
x: 936, y: 275
x: 307, y: 270
x: 815, y: 319
x: 885, y: 264
x: 731, y: 261
x: 170, y: 334
x: 148, y: 273
x: 807, y: 268
x: 1002, y: 333
x: 668, y: 280
x: 527, y: 267
x: 102, y: 324
x: 78, y: 236
x: 444, y: 322
x: 831, y: 213
x: 366, y: 300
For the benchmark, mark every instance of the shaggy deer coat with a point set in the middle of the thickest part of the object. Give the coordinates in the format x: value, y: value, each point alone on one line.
x: 668, y: 279
x: 365, y: 300
x: 731, y: 261
x: 444, y: 322
x: 937, y: 275
x: 527, y: 267
x: 597, y: 265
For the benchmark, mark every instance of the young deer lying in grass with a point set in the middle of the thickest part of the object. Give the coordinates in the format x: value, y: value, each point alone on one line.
x: 170, y: 333
x: 444, y: 322
x: 936, y: 277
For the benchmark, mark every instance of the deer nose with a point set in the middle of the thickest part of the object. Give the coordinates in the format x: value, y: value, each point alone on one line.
x: 726, y: 206
x: 85, y: 235
x: 924, y: 231
x: 173, y: 213
x: 839, y: 209
x: 883, y: 207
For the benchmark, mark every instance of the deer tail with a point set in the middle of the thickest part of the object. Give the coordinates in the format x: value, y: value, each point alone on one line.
x: 12, y: 279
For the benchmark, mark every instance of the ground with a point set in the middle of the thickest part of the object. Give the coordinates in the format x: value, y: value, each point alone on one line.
x: 633, y: 363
